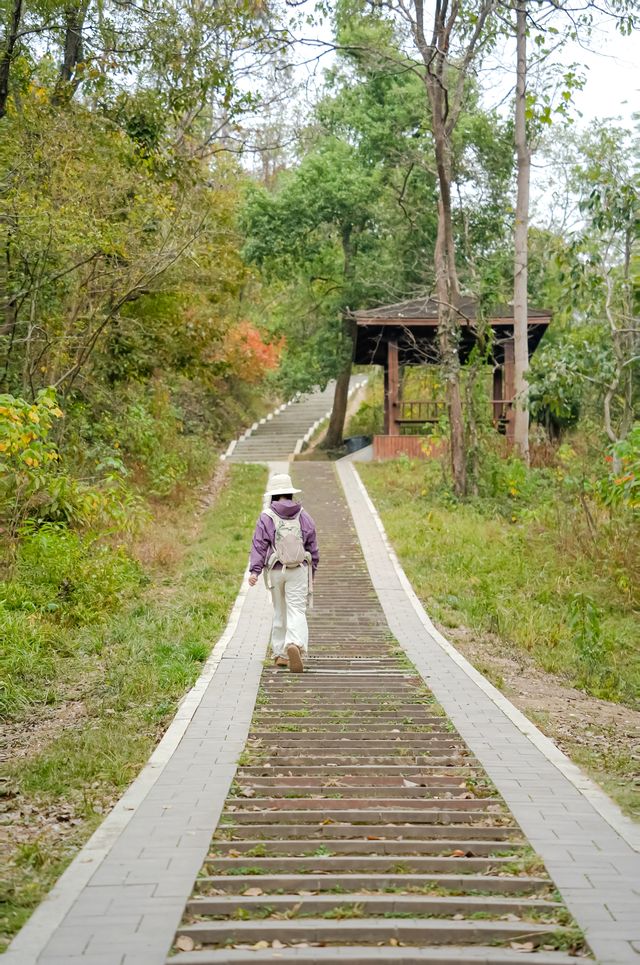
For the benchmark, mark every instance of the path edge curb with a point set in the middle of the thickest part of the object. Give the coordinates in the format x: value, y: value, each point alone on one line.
x: 600, y: 801
x: 34, y: 935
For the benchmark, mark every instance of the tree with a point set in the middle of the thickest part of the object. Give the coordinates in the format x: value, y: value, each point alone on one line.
x: 13, y: 18
x: 314, y: 224
x: 520, y: 276
x: 593, y: 272
x: 448, y: 46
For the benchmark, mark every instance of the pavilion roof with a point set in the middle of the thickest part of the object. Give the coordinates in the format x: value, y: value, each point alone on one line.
x: 413, y: 324
x: 426, y: 309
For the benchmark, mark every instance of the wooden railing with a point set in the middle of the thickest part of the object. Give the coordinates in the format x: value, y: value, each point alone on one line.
x: 419, y: 413
x: 412, y: 415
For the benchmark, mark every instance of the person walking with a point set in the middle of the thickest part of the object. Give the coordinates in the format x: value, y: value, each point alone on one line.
x: 285, y: 550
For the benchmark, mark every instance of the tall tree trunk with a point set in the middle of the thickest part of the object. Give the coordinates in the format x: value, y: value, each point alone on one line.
x: 447, y: 289
x: 520, y: 304
x: 68, y: 79
x: 12, y: 30
x: 335, y: 432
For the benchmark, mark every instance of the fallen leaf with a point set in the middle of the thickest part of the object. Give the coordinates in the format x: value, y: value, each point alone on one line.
x: 185, y: 943
x: 457, y: 854
x: 522, y: 946
x: 253, y: 892
x: 406, y: 783
x: 259, y: 946
x: 247, y: 792
x: 277, y: 944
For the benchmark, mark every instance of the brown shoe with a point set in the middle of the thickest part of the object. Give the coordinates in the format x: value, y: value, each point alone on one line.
x: 281, y: 662
x: 295, y: 658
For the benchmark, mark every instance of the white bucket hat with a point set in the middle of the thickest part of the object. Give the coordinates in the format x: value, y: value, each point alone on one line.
x: 281, y: 485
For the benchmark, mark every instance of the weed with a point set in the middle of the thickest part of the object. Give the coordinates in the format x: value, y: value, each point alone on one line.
x: 342, y: 912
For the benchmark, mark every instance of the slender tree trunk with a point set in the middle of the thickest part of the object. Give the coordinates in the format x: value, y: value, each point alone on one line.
x: 520, y: 303
x: 335, y: 432
x: 450, y: 362
x: 12, y: 30
x: 448, y: 291
x: 68, y: 79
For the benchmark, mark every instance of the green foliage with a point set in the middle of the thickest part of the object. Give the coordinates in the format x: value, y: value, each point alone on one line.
x: 620, y: 488
x: 524, y: 561
x: 62, y: 573
x: 368, y: 420
x: 35, y: 483
x: 592, y: 649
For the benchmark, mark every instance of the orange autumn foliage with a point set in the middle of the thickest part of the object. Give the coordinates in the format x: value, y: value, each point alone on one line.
x: 248, y: 354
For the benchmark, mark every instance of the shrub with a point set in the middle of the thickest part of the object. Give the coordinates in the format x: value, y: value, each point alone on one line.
x: 148, y: 429
x: 29, y: 456
x: 593, y: 651
x: 368, y: 420
x: 621, y: 486
x: 27, y: 660
x: 68, y: 576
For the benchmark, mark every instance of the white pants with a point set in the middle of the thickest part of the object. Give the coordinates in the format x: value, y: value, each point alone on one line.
x: 289, y: 596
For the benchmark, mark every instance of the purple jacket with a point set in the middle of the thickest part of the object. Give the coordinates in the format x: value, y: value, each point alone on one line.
x: 265, y: 535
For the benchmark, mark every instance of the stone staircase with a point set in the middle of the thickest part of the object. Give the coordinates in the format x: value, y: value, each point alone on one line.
x: 360, y: 828
x: 275, y: 438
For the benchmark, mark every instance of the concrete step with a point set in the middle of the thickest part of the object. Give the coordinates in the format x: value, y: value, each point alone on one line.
x: 370, y: 931
x: 354, y: 955
x: 223, y: 906
x: 344, y: 883
x: 306, y: 846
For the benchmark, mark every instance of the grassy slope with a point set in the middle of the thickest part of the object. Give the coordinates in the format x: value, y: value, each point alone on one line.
x: 127, y: 675
x: 475, y: 568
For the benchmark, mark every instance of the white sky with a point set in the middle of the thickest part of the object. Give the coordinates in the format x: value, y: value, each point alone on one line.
x: 613, y: 79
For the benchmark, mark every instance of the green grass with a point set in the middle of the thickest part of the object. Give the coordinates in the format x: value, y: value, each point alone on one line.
x: 526, y: 577
x: 130, y: 669
x: 514, y: 577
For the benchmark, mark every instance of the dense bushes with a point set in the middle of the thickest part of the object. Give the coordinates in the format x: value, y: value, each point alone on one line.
x: 544, y: 558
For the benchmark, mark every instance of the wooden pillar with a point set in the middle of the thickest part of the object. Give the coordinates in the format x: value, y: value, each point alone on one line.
x: 509, y: 387
x: 394, y: 387
x: 498, y: 394
x: 386, y: 399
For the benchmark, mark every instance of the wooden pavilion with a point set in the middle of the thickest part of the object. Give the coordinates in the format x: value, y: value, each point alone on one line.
x: 406, y: 333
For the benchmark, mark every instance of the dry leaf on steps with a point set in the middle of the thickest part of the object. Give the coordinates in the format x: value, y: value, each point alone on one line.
x: 253, y: 892
x: 247, y: 792
x: 185, y: 943
x: 260, y: 945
